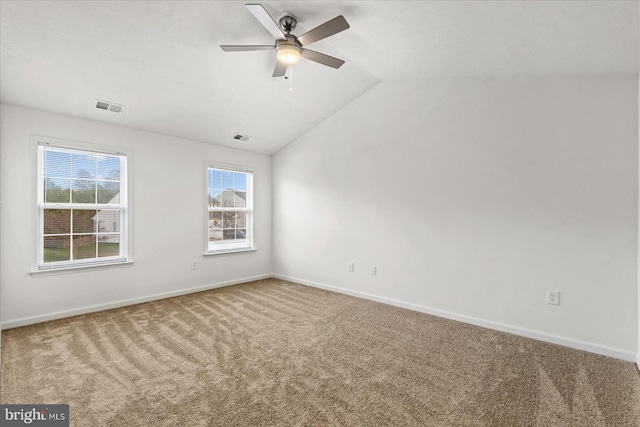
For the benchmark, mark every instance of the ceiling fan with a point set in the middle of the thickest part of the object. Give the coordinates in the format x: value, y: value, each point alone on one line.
x: 288, y: 47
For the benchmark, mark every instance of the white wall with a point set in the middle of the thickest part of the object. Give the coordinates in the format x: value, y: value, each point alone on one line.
x: 0, y: 235
x: 473, y: 197
x: 168, y: 219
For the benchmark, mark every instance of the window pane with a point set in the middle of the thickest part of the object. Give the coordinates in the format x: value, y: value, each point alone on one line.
x: 109, y: 168
x: 108, y: 192
x: 84, y: 246
x: 83, y: 191
x: 108, y: 245
x: 84, y: 221
x: 227, y: 180
x: 241, y: 234
x: 57, y: 164
x: 57, y: 221
x: 240, y: 181
x: 227, y: 199
x: 83, y: 166
x: 214, y: 198
x: 228, y: 220
x: 108, y: 221
x: 215, y: 178
x: 56, y: 248
x: 241, y: 219
x: 215, y: 219
x: 229, y: 234
x: 240, y: 199
x: 57, y: 190
x: 215, y: 225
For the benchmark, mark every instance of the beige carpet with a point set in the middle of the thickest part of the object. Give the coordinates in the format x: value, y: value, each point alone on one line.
x: 277, y: 353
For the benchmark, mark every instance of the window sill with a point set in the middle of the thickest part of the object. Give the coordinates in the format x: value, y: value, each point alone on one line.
x: 229, y: 251
x: 80, y: 268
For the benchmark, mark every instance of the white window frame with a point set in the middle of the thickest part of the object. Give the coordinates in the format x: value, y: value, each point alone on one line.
x: 73, y: 147
x: 230, y: 246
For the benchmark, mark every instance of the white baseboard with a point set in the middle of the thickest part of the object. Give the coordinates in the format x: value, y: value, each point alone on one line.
x: 638, y: 359
x: 529, y: 333
x: 122, y: 303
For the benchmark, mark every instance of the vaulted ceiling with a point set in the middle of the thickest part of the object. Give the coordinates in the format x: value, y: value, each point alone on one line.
x: 162, y: 61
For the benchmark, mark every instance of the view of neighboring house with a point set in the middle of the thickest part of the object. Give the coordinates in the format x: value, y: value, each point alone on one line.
x: 228, y: 224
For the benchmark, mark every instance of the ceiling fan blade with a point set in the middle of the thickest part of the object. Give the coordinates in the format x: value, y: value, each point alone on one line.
x: 266, y: 20
x: 240, y: 48
x: 325, y: 30
x: 321, y: 58
x: 280, y: 70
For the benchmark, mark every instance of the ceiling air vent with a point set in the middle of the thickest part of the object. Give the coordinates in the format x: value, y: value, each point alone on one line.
x: 241, y: 137
x: 109, y: 106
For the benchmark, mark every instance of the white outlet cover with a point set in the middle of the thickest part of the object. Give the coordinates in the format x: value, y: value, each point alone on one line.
x: 553, y: 297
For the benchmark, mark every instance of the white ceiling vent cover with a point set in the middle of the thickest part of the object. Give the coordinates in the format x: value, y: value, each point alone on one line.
x: 109, y: 106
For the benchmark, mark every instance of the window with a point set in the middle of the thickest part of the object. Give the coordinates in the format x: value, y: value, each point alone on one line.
x: 230, y: 209
x: 82, y: 207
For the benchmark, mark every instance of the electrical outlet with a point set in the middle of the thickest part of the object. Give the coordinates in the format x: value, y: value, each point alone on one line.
x: 374, y: 270
x: 553, y: 297
x: 194, y: 265
x: 351, y: 266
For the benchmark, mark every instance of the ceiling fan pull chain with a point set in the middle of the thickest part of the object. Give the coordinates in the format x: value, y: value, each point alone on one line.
x: 290, y: 77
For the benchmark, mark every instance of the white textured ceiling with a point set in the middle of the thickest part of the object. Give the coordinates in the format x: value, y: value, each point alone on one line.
x: 162, y: 61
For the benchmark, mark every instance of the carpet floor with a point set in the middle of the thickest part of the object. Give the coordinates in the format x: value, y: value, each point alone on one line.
x: 277, y: 353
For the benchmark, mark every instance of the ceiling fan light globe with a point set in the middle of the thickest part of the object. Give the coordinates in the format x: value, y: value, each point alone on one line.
x: 288, y: 54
